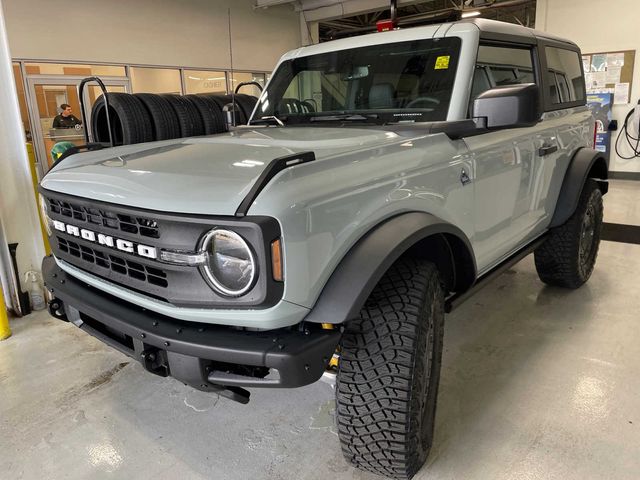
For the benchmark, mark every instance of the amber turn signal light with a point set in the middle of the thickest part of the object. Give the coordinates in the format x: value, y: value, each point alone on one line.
x: 276, y: 260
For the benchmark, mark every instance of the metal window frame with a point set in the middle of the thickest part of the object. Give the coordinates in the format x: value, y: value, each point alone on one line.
x: 543, y: 44
x: 182, y: 68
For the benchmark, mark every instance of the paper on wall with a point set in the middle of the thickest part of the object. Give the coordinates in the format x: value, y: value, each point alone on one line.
x: 586, y: 62
x: 613, y: 74
x: 596, y: 80
x: 599, y: 62
x: 621, y: 94
x: 615, y: 60
x: 588, y: 82
x: 600, y: 90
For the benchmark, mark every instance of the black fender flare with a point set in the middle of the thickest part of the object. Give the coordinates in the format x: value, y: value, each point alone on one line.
x: 586, y: 163
x: 360, y: 270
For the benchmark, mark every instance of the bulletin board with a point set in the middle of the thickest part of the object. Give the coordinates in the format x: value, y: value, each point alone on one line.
x: 610, y: 72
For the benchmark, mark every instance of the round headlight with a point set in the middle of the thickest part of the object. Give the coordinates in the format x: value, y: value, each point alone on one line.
x: 44, y: 213
x: 231, y: 266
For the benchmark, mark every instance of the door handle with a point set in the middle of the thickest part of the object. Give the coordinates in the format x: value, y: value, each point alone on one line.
x: 547, y: 150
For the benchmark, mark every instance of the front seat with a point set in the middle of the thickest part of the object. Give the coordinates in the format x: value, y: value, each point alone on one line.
x: 381, y: 95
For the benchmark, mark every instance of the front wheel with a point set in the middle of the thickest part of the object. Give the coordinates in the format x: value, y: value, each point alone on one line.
x: 568, y: 256
x: 389, y: 371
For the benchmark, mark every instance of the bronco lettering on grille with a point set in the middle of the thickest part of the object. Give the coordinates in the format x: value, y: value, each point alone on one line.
x: 106, y: 240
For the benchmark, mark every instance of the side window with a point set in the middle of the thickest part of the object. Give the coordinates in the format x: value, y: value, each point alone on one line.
x: 481, y: 81
x: 565, y: 92
x: 554, y: 96
x: 503, y: 76
x: 498, y: 66
x: 564, y: 74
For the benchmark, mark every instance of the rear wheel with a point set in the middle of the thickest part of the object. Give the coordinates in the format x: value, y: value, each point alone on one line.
x: 568, y: 256
x: 389, y: 371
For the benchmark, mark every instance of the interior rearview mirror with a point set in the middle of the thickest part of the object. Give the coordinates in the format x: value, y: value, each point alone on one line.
x: 508, y: 106
x: 355, y: 73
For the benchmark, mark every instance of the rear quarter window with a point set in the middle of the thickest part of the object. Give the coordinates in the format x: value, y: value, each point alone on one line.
x: 565, y: 81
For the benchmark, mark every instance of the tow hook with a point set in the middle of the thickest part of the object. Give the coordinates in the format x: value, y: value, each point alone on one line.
x: 154, y: 361
x: 56, y: 309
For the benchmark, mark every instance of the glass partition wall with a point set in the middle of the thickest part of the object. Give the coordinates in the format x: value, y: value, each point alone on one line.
x: 48, y: 95
x: 205, y: 81
x: 239, y: 77
x: 44, y: 86
x: 155, y: 80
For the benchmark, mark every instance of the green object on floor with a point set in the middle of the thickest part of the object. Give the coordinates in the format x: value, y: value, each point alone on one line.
x: 59, y: 148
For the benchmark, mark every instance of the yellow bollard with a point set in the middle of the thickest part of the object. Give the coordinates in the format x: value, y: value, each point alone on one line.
x: 5, y: 331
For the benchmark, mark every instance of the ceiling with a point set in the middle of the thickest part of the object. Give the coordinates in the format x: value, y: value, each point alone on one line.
x: 426, y: 12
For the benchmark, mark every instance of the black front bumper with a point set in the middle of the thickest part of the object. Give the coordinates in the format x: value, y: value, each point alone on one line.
x: 207, y: 357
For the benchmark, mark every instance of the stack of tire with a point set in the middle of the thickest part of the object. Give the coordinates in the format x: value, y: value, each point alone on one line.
x: 147, y: 117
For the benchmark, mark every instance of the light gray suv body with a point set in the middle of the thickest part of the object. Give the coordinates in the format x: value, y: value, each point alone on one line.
x: 458, y: 147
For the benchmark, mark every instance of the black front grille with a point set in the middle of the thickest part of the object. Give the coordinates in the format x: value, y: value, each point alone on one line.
x: 123, y: 266
x: 145, y: 227
x: 77, y: 241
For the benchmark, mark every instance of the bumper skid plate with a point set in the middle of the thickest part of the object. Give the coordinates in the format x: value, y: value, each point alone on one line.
x: 207, y: 357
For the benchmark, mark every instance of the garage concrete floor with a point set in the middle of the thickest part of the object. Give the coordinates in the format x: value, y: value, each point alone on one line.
x: 537, y: 383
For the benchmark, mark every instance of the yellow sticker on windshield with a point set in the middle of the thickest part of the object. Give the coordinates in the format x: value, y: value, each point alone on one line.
x: 442, y: 63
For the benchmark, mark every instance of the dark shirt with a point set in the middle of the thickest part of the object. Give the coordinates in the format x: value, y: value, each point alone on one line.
x: 65, y: 122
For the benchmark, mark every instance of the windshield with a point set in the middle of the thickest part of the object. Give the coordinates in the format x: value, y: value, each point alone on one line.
x: 408, y: 81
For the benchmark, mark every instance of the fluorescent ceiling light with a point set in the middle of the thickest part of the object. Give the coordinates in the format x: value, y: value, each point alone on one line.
x: 473, y: 13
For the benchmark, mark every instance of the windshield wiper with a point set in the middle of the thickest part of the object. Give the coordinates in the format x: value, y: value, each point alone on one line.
x: 350, y: 117
x: 269, y: 119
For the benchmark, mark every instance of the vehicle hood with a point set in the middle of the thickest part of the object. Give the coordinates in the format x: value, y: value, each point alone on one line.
x: 203, y: 175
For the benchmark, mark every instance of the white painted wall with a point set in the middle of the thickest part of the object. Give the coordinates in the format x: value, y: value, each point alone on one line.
x: 190, y: 33
x: 17, y: 201
x: 598, y: 26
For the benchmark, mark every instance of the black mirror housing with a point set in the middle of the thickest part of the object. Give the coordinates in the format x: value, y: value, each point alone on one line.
x: 509, y: 106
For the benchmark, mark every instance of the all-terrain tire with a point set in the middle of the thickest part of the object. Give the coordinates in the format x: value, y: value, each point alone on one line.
x: 247, y: 103
x: 163, y: 118
x: 188, y: 116
x: 389, y: 370
x: 568, y: 256
x: 130, y: 120
x: 220, y: 103
x: 210, y: 113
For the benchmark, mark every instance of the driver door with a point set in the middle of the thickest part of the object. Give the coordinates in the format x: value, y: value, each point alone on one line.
x: 510, y: 176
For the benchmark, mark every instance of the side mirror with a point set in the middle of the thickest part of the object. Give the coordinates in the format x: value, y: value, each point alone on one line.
x: 510, y: 106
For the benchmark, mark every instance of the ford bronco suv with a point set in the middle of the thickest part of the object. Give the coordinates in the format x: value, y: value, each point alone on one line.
x: 380, y: 180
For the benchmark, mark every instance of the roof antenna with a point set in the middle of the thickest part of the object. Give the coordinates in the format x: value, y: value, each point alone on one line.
x: 394, y: 13
x: 233, y: 94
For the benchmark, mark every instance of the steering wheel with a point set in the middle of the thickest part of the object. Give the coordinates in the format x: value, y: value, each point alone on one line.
x: 430, y: 101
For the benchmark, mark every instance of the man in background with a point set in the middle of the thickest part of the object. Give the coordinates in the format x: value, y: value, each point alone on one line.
x: 66, y: 118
